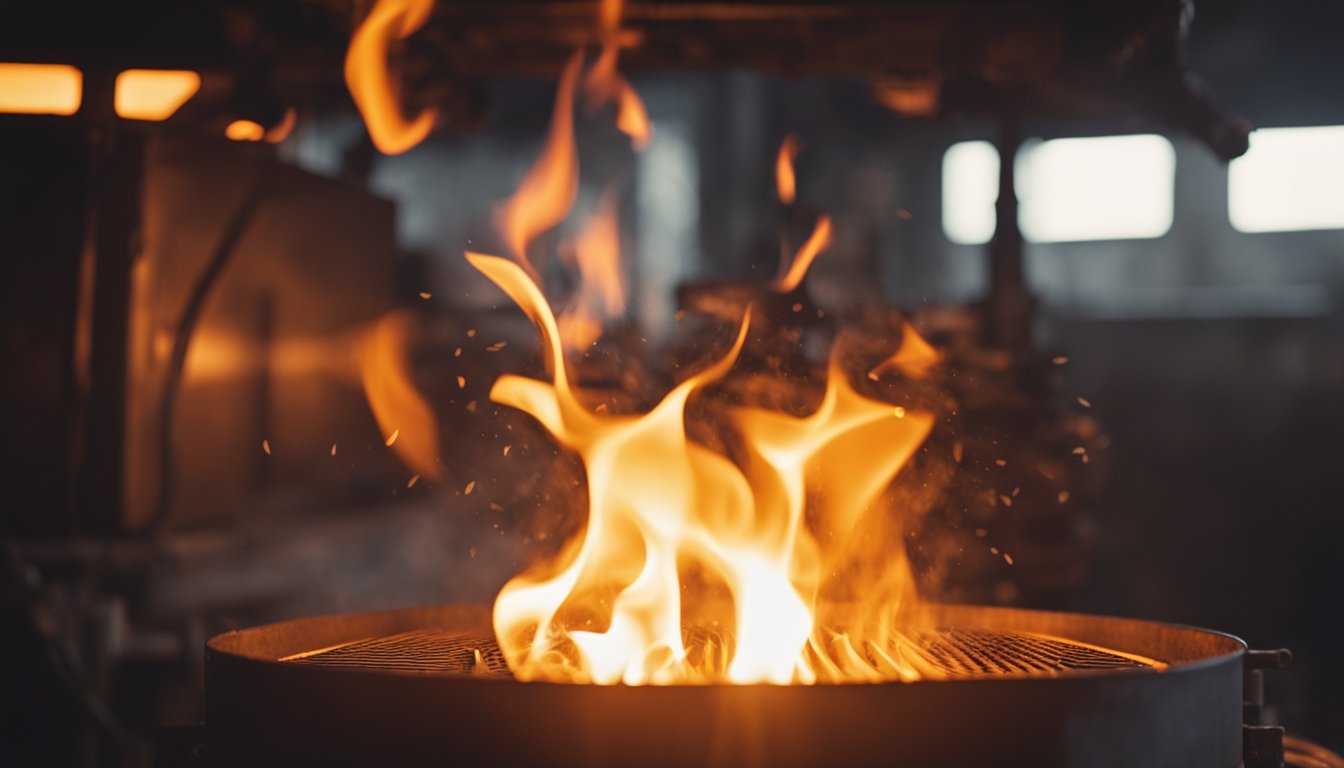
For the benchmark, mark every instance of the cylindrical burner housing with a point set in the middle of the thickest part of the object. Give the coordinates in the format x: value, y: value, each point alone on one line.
x: 343, y: 690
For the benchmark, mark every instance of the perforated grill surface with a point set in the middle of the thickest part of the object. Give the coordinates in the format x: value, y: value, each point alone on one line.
x: 954, y: 652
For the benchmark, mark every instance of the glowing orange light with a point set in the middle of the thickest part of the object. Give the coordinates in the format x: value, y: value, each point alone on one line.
x: 785, y: 184
x: 245, y: 130
x: 40, y: 89
x: 818, y: 242
x: 371, y: 83
x: 153, y: 94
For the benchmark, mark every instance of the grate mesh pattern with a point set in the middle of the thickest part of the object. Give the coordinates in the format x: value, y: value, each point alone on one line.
x: 952, y: 652
x: 960, y: 652
x: 421, y: 650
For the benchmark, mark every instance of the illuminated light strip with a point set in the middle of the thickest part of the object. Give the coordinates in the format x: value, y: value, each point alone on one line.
x: 154, y: 94
x: 40, y: 89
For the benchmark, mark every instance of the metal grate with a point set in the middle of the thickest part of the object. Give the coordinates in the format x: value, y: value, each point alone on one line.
x: 953, y: 652
x: 422, y: 650
x: 961, y: 652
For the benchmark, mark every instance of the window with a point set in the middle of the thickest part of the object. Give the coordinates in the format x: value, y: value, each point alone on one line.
x: 1290, y: 179
x: 1103, y: 188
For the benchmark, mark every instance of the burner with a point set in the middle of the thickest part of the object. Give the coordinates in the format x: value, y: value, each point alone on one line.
x: 1002, y: 687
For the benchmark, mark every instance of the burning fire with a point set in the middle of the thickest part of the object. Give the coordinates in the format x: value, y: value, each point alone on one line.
x: 735, y: 562
x: 370, y: 82
x: 675, y: 527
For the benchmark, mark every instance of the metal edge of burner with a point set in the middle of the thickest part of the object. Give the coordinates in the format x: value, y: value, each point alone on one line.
x: 263, y: 711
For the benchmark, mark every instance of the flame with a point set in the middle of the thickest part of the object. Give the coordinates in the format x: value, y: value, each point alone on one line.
x: 547, y: 193
x: 40, y: 89
x: 785, y: 181
x: 605, y: 83
x: 914, y: 358
x: 153, y: 94
x: 601, y: 292
x: 370, y: 82
x: 406, y: 421
x: 818, y: 242
x: 672, y: 525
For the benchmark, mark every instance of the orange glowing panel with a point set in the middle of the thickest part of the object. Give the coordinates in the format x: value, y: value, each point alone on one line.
x: 154, y: 94
x: 245, y: 130
x: 40, y: 89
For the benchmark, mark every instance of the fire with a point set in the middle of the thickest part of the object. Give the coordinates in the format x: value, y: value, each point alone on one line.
x: 605, y: 83
x: 785, y: 182
x: 819, y: 241
x: 404, y: 417
x: 914, y: 358
x: 547, y: 193
x: 601, y: 292
x: 370, y: 82
x: 678, y: 532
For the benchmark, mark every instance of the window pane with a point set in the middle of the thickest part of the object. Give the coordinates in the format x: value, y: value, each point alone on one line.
x: 1103, y: 188
x: 1290, y: 179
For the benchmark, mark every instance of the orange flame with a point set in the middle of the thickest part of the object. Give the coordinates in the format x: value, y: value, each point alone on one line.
x: 547, y: 193
x: 785, y: 182
x: 818, y: 242
x: 914, y: 358
x: 667, y: 515
x: 605, y: 83
x: 601, y: 292
x: 407, y: 423
x: 370, y: 82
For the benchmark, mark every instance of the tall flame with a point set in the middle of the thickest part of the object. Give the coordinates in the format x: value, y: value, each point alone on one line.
x: 601, y: 293
x: 371, y: 84
x: 785, y: 181
x: 605, y: 82
x: 672, y: 525
x: 407, y: 423
x: 547, y: 193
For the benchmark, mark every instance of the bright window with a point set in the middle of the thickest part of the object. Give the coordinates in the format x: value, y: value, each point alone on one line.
x: 1290, y: 179
x: 153, y: 94
x: 1103, y: 188
x: 40, y: 89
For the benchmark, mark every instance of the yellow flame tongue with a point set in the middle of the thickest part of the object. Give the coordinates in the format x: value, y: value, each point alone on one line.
x: 661, y: 506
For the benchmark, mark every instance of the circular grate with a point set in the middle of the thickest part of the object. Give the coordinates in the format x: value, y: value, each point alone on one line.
x: 955, y: 652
